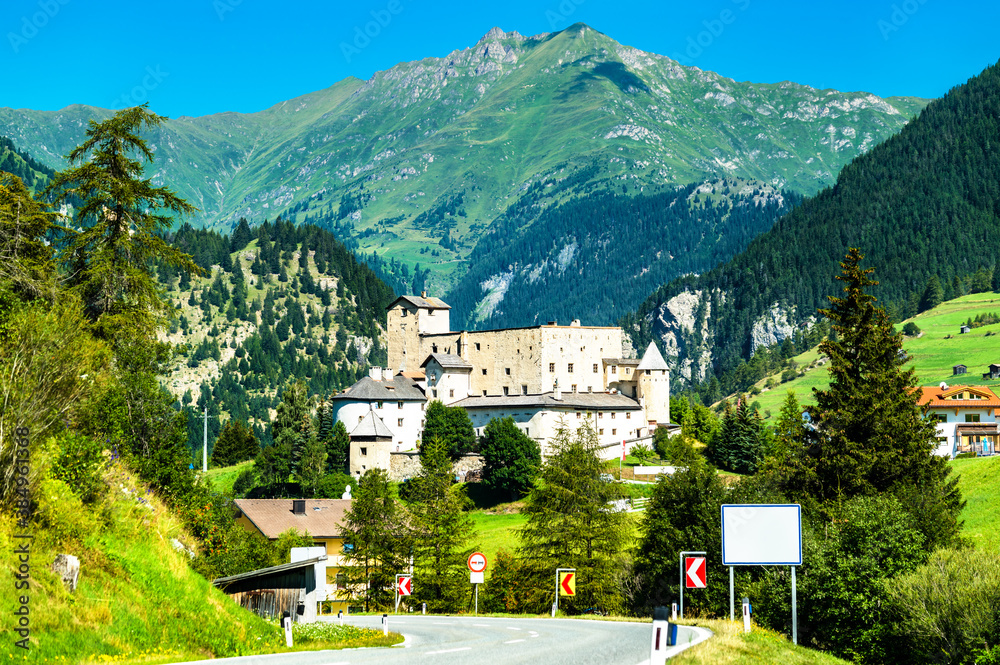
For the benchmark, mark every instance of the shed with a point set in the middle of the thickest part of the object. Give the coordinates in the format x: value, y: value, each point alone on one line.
x: 964, y: 329
x: 959, y: 369
x: 993, y: 373
x: 270, y: 592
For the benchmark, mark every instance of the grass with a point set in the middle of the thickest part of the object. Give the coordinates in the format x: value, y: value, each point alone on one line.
x: 223, y: 477
x: 933, y: 353
x: 980, y: 489
x: 731, y: 645
x: 138, y: 599
x: 496, y: 532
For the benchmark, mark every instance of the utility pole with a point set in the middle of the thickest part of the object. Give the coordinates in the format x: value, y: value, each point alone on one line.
x: 204, y: 452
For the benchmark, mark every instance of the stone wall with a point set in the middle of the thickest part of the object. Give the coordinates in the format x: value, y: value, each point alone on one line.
x: 407, y: 465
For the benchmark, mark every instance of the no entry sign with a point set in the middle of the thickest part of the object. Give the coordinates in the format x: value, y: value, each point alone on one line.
x: 694, y: 572
x: 477, y: 562
x: 404, y: 585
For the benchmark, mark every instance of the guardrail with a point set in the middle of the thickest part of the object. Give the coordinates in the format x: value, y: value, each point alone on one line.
x: 639, y: 503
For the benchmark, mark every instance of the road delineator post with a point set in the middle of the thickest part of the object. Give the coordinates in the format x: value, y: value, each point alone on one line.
x: 385, y: 624
x: 664, y: 635
x: 746, y: 614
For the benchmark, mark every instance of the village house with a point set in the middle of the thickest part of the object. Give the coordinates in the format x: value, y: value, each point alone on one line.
x: 966, y: 418
x: 322, y: 519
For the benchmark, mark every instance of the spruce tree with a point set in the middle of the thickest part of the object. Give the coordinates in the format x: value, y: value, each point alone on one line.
x: 376, y: 542
x: 510, y: 458
x: 442, y: 532
x: 338, y: 448
x: 868, y: 434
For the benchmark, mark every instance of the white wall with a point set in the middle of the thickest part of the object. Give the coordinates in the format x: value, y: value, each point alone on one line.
x: 404, y: 437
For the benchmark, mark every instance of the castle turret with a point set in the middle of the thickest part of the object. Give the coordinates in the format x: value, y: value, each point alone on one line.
x: 653, y: 386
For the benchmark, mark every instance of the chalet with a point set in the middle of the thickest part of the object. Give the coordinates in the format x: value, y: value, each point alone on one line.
x: 993, y: 373
x: 322, y: 519
x: 959, y: 369
x: 966, y: 418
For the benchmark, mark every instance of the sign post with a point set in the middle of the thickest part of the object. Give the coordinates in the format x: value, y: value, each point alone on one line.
x: 686, y: 580
x: 404, y: 587
x: 565, y: 585
x: 762, y: 535
x: 477, y: 573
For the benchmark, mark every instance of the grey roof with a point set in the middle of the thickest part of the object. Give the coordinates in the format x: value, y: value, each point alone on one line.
x: 421, y: 303
x: 263, y: 572
x: 372, y: 426
x: 400, y: 389
x: 620, y: 361
x: 652, y: 359
x: 448, y: 361
x: 605, y: 401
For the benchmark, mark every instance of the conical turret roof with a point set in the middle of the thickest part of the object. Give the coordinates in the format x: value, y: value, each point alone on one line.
x: 652, y: 359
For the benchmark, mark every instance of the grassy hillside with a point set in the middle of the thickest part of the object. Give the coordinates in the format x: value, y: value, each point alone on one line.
x: 934, y: 352
x: 979, y: 480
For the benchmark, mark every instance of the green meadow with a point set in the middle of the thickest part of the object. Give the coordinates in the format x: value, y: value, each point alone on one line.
x: 934, y: 352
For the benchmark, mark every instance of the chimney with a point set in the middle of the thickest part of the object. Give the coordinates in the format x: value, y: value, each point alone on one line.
x: 299, y: 506
x: 375, y: 373
x: 552, y: 323
x: 387, y: 374
x: 575, y: 323
x: 423, y: 294
x: 557, y: 390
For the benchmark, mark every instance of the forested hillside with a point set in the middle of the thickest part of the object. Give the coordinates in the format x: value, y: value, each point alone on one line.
x: 279, y: 301
x: 594, y: 257
x: 34, y: 174
x: 923, y: 204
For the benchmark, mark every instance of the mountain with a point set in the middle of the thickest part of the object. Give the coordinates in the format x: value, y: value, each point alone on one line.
x: 603, y: 253
x: 277, y: 303
x: 925, y: 203
x: 435, y: 150
x: 34, y: 174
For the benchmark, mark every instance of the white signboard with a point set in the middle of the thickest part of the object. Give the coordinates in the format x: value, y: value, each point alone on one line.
x: 477, y: 578
x: 762, y: 535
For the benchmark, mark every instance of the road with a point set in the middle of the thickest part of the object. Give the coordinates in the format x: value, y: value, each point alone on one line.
x: 467, y: 640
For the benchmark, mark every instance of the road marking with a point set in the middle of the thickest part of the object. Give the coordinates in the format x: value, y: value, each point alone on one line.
x: 532, y: 634
x: 512, y: 628
x: 444, y: 623
x: 434, y: 653
x: 481, y: 625
x: 513, y: 641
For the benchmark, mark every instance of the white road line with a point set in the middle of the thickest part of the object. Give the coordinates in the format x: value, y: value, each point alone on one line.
x: 434, y: 653
x: 512, y: 628
x: 532, y: 634
x: 481, y: 625
x: 445, y: 623
x: 513, y: 641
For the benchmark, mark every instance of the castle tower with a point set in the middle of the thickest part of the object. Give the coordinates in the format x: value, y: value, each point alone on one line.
x: 653, y: 386
x: 409, y: 318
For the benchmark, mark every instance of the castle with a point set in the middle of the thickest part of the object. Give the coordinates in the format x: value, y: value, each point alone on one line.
x: 539, y: 375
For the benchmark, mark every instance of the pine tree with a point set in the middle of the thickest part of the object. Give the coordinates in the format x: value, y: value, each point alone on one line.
x: 312, y: 466
x: 569, y: 522
x: 338, y: 449
x: 933, y: 294
x: 376, y: 542
x: 441, y: 531
x: 743, y: 442
x: 868, y: 434
x: 123, y: 217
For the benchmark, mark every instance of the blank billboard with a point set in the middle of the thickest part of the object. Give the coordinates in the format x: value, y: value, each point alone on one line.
x: 761, y: 535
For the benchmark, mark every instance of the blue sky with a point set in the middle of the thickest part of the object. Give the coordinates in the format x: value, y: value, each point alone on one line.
x: 194, y: 57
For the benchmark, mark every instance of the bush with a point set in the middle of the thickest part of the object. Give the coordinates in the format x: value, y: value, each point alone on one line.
x: 947, y: 610
x: 79, y: 462
x: 911, y: 329
x: 332, y: 485
x: 246, y: 481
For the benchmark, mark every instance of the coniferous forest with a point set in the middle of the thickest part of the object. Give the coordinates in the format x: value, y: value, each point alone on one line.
x: 924, y: 206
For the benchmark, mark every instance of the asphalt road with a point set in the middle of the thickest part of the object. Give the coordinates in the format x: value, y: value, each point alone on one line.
x: 466, y: 640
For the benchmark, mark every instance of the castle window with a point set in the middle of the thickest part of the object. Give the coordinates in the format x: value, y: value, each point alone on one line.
x: 364, y: 451
x: 612, y: 415
x: 595, y: 368
x: 399, y: 404
x: 569, y: 368
x: 552, y: 367
x: 573, y: 388
x: 628, y: 415
x: 613, y: 432
x: 600, y: 414
x: 600, y: 432
x: 404, y: 312
x: 477, y: 346
x: 399, y: 422
x: 614, y: 369
x: 451, y: 393
x: 484, y: 393
x: 579, y: 415
x: 506, y: 391
x: 434, y: 348
x: 506, y: 370
x: 484, y: 371
x: 378, y: 405
x: 524, y: 390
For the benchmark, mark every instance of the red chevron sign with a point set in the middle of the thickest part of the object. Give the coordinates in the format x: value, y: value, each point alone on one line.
x: 404, y: 585
x: 694, y: 567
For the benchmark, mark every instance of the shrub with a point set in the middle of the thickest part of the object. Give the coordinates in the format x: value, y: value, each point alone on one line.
x: 79, y: 462
x: 911, y: 329
x: 947, y: 610
x: 246, y: 481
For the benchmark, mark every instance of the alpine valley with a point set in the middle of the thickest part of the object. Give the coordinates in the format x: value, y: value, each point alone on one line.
x: 433, y: 162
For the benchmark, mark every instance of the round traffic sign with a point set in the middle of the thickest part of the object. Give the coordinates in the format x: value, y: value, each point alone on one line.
x: 477, y: 562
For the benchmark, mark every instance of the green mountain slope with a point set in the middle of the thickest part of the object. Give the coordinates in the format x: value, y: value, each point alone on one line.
x: 34, y: 174
x: 934, y: 352
x: 281, y: 302
x: 480, y: 126
x: 536, y: 250
x: 925, y: 202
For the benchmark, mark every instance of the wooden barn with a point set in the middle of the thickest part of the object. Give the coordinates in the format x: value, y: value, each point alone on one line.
x: 270, y: 592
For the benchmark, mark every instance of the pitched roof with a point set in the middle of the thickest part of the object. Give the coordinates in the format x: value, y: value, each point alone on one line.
x: 272, y: 517
x: 400, y: 389
x: 606, y: 401
x: 621, y: 361
x: 936, y: 397
x: 272, y: 570
x: 371, y: 426
x: 652, y: 359
x: 421, y: 303
x: 448, y: 361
